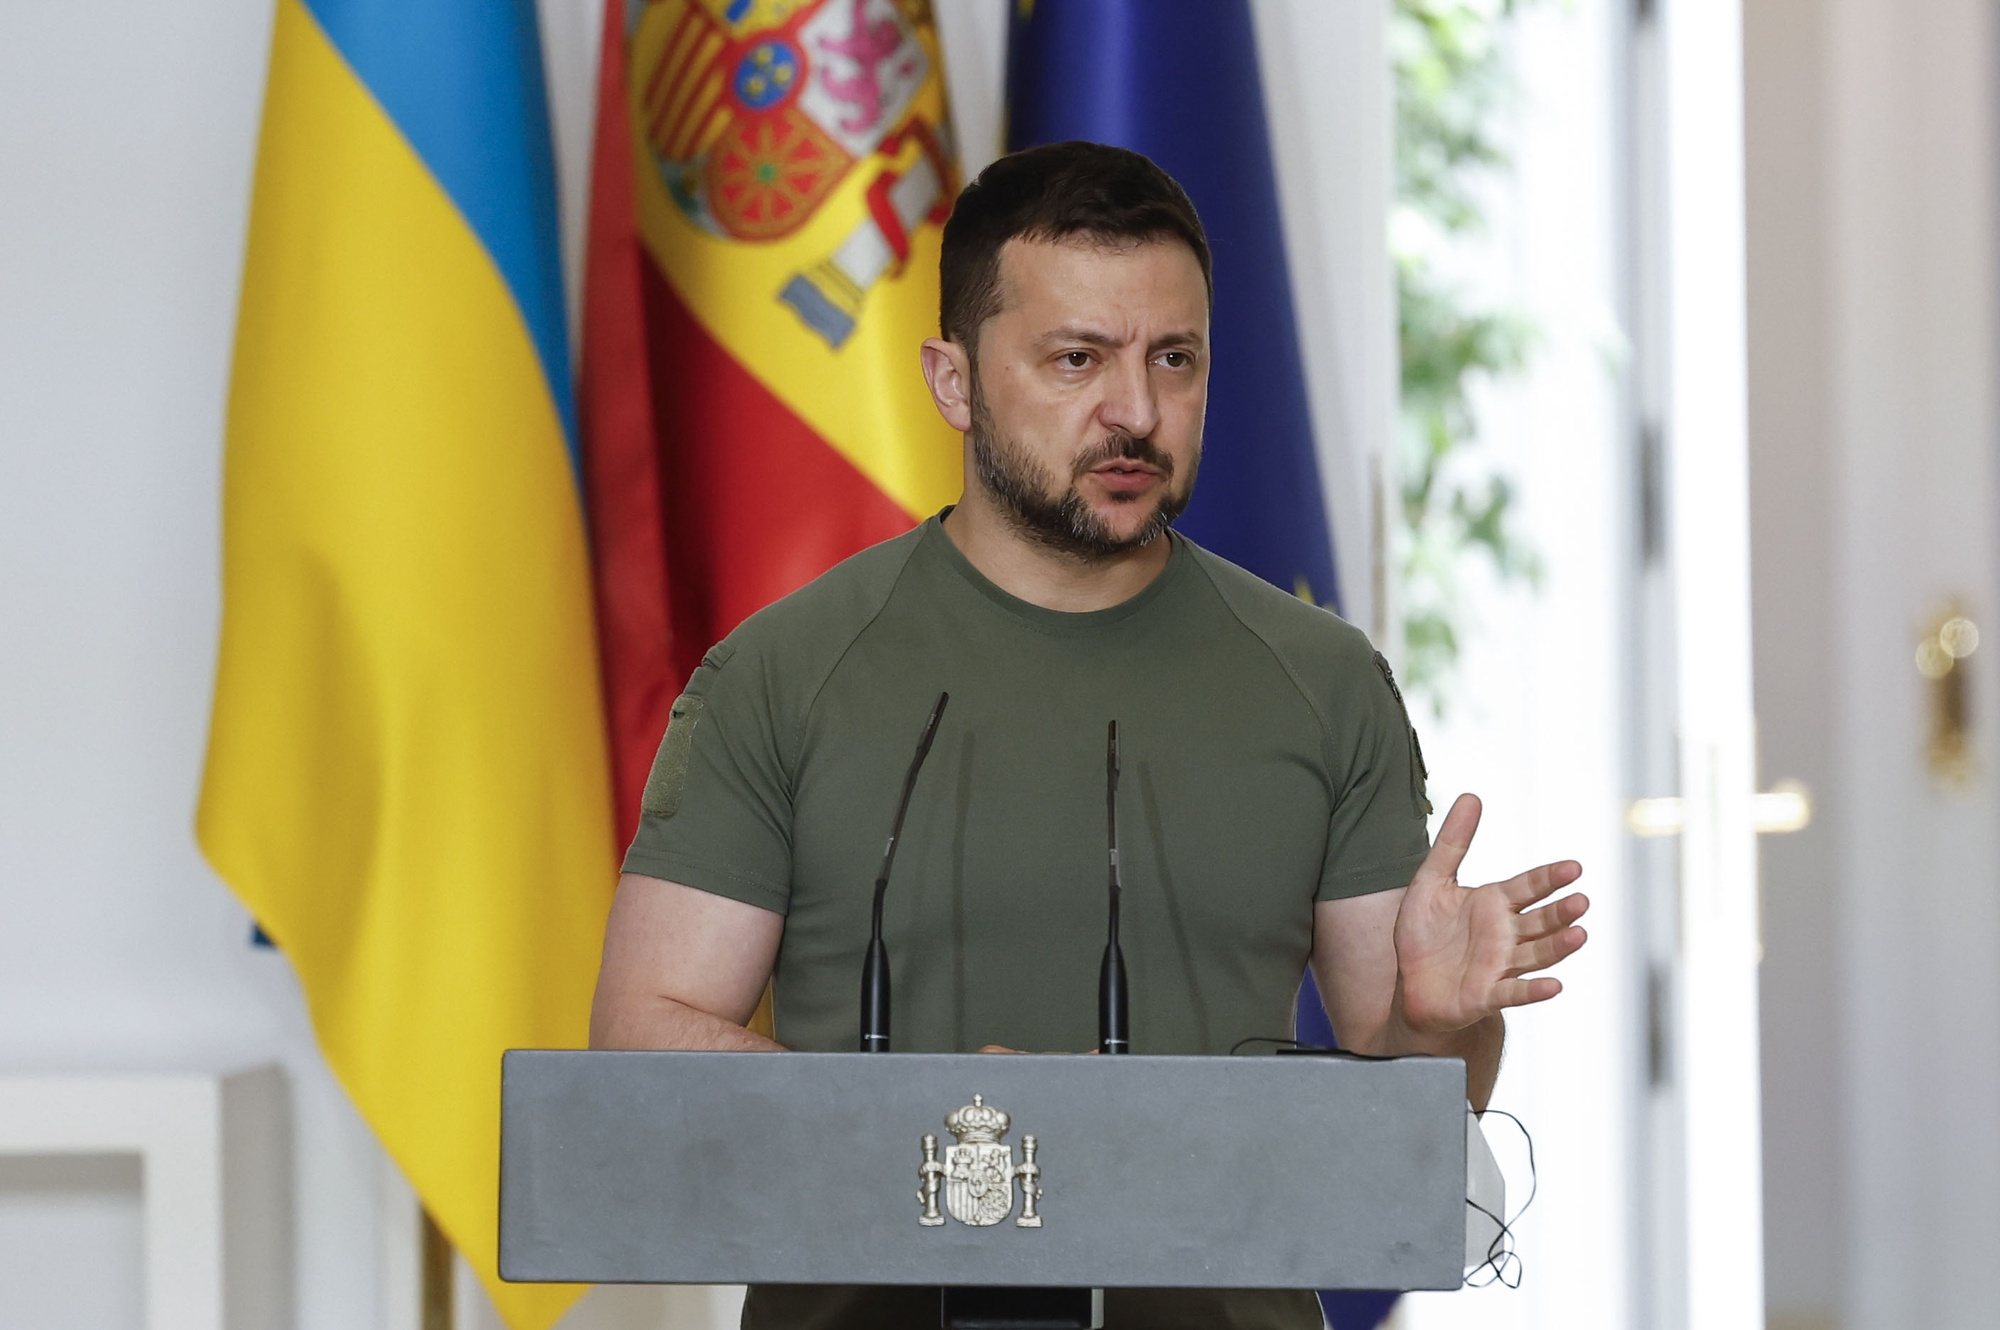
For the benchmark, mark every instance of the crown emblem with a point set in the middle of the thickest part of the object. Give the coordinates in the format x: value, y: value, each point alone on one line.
x: 977, y: 1123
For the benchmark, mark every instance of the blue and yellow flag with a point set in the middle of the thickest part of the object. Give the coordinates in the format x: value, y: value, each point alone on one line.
x: 407, y: 781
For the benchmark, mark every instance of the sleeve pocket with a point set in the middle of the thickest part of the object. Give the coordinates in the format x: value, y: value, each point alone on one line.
x: 670, y: 763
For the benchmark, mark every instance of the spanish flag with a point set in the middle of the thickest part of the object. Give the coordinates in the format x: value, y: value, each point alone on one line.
x: 407, y: 778
x: 768, y: 189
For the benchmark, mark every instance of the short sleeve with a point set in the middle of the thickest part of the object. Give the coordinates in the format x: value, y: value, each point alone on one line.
x: 1379, y: 835
x: 716, y: 814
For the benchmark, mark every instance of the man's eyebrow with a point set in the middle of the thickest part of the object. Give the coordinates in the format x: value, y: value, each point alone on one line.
x: 1078, y: 333
x: 1189, y: 338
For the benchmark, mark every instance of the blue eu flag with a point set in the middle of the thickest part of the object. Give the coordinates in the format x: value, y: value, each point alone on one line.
x: 1177, y: 80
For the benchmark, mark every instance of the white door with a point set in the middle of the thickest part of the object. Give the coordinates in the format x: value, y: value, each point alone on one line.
x: 1699, y: 1236
x: 1874, y: 221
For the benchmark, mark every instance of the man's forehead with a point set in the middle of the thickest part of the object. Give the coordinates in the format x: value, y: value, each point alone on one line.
x: 1070, y: 273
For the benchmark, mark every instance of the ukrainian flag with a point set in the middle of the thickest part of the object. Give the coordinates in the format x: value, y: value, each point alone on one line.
x: 407, y: 781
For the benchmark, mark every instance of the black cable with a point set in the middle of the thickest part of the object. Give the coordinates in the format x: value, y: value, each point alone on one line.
x: 1260, y: 1039
x: 1315, y: 1050
x: 1501, y: 1256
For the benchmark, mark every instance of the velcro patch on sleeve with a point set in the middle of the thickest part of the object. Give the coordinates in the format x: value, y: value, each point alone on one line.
x: 1419, y: 774
x: 670, y: 764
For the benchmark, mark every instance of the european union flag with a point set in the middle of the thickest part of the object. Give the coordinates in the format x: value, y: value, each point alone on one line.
x: 1177, y: 80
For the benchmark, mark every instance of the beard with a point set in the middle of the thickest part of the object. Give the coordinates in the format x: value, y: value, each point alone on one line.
x: 1061, y: 519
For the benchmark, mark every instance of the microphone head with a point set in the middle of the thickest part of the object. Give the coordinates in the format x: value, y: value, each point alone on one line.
x: 930, y: 733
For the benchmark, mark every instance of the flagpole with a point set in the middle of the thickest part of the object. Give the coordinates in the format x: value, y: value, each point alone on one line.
x: 434, y: 1261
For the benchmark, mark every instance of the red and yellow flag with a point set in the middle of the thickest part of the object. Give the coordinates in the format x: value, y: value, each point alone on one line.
x: 770, y: 179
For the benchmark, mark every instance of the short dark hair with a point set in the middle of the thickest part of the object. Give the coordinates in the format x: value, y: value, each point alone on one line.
x: 1054, y: 192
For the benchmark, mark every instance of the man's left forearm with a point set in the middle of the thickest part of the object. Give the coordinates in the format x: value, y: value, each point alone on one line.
x: 1478, y: 1044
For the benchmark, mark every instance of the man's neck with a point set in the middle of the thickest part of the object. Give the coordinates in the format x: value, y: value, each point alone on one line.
x: 1025, y: 568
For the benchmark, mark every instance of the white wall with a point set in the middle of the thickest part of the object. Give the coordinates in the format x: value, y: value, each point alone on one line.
x: 126, y: 159
x: 126, y: 164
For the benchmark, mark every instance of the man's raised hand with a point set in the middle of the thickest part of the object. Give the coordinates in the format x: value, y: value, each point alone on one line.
x: 1462, y: 952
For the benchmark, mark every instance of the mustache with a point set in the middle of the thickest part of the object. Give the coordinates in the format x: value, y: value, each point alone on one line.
x: 1124, y: 447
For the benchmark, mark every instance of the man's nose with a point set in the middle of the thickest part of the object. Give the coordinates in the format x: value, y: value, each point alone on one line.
x: 1130, y: 403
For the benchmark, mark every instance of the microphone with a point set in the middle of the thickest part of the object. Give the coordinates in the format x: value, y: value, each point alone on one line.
x: 875, y: 966
x: 1114, y: 1033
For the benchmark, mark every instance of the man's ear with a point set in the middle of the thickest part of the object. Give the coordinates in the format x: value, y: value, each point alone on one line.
x: 948, y: 371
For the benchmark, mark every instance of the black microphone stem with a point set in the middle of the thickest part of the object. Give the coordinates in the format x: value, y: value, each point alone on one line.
x: 1113, y: 1024
x: 875, y: 965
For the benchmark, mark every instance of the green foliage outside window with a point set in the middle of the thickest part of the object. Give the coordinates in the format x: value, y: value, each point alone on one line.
x: 1452, y: 84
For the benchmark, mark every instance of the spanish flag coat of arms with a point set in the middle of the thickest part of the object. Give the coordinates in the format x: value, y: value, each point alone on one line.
x: 770, y: 180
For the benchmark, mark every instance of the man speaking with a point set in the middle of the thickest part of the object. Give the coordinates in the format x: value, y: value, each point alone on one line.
x: 1272, y: 804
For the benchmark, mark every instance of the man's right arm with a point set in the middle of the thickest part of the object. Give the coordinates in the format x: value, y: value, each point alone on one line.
x: 682, y: 968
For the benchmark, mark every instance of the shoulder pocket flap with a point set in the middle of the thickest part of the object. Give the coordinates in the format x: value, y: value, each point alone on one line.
x: 670, y: 764
x: 1419, y: 774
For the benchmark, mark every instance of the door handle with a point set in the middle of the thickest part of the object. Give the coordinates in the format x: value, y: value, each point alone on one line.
x: 1785, y: 807
x: 1951, y: 637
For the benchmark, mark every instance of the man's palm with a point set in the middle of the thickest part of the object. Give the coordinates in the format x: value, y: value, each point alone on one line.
x: 1461, y: 952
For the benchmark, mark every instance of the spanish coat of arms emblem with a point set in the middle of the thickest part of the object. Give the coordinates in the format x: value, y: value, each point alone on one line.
x: 755, y: 111
x: 977, y: 1175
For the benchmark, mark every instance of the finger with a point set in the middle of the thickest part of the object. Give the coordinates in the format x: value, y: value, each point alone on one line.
x: 1532, y: 956
x: 1520, y: 992
x: 1454, y: 838
x: 1553, y: 917
x: 1524, y: 889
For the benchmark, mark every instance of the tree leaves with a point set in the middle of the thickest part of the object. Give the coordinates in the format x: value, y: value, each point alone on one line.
x: 1453, y: 83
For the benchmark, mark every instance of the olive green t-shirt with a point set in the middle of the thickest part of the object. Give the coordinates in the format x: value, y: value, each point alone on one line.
x: 1266, y: 759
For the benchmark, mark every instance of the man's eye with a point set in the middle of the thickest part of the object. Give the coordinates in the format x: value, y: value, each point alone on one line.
x: 1076, y: 359
x: 1177, y: 359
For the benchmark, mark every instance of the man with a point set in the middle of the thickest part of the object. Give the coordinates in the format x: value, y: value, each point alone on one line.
x: 1272, y: 808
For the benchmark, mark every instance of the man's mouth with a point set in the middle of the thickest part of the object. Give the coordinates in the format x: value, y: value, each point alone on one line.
x: 1125, y: 476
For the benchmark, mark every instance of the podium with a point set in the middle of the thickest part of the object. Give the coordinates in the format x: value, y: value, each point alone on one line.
x: 986, y: 1171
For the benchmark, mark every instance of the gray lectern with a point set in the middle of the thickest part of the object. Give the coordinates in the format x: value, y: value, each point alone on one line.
x: 984, y: 1171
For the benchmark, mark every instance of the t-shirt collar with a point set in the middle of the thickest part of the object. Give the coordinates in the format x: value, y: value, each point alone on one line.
x: 938, y: 544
